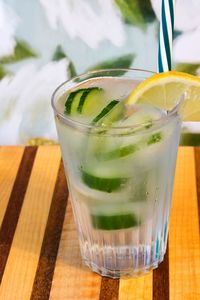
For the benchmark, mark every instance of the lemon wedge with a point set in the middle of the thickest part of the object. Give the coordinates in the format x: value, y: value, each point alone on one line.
x: 165, y: 90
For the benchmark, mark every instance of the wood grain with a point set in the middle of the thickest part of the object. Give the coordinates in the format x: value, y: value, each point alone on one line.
x: 161, y: 280
x: 184, y: 246
x: 44, y: 274
x: 197, y: 164
x: 109, y: 289
x: 22, y: 262
x: 140, y: 288
x: 10, y: 158
x: 13, y: 209
x: 72, y: 280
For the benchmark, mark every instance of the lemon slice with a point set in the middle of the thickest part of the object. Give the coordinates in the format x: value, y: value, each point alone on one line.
x: 165, y: 91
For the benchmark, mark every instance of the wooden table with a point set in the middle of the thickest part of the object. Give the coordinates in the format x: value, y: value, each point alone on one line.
x: 39, y: 252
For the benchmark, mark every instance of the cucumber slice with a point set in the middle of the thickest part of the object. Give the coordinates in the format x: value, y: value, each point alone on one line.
x: 76, y: 100
x: 118, y: 153
x: 91, y: 102
x: 115, y: 113
x: 115, y: 221
x: 83, y: 99
x: 86, y: 102
x: 72, y: 102
x: 128, y: 149
x: 154, y: 138
x: 105, y: 111
x: 134, y: 144
x: 106, y: 184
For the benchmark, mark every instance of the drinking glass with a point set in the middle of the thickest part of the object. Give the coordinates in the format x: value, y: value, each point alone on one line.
x: 120, y: 177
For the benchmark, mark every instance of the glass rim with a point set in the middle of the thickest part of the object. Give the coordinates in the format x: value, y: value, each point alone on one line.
x: 165, y: 118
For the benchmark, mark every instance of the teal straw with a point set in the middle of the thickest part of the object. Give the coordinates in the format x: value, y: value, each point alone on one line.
x: 166, y: 36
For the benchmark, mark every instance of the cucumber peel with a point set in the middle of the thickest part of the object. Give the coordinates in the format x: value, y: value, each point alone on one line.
x: 118, y: 153
x: 86, y: 102
x: 114, y: 222
x: 114, y: 114
x: 72, y: 102
x: 106, y: 184
x: 105, y: 111
x: 87, y: 96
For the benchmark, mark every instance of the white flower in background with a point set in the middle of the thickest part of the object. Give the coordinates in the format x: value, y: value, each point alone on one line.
x: 25, y: 110
x: 8, y: 24
x: 187, y: 13
x: 186, y: 47
x: 79, y: 19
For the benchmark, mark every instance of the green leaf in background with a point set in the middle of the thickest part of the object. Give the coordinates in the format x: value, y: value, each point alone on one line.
x: 136, y: 12
x: 3, y: 72
x: 71, y: 70
x: 60, y: 54
x: 22, y: 51
x: 188, y: 68
x: 176, y: 34
x: 120, y: 62
x: 124, y: 61
x: 190, y: 139
x: 130, y: 11
x: 147, y: 10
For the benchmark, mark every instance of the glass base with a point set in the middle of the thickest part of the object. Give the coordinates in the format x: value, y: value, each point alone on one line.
x: 122, y: 262
x: 116, y: 274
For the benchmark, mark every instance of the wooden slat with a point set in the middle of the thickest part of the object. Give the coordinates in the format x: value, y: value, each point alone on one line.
x: 197, y: 164
x: 72, y: 280
x: 10, y: 158
x: 161, y: 280
x: 184, y: 246
x: 14, y: 206
x: 43, y: 278
x: 109, y: 289
x: 136, y: 289
x: 22, y: 262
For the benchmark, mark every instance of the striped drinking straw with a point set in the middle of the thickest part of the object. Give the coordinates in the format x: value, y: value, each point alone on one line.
x: 166, y: 36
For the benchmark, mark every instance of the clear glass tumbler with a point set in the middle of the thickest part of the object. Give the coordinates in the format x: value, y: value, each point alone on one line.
x: 120, y: 174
